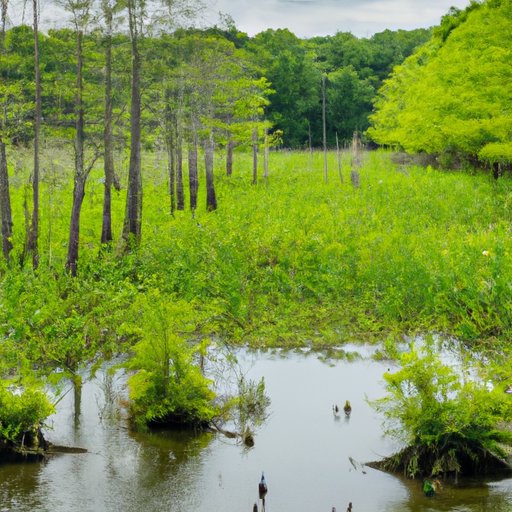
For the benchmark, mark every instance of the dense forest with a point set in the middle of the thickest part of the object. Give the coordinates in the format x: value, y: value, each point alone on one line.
x: 136, y: 218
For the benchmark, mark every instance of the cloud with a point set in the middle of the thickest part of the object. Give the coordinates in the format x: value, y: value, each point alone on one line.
x: 308, y: 18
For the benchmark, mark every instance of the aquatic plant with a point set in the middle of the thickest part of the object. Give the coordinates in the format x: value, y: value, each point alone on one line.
x: 450, y: 421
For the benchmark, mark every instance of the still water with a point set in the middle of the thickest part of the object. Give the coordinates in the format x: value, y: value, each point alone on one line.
x: 302, y: 448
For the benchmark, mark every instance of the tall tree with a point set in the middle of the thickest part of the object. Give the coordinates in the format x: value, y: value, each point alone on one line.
x: 289, y: 66
x: 133, y: 215
x: 108, y: 8
x: 31, y: 245
x: 170, y: 14
x: 80, y: 12
x: 5, y: 196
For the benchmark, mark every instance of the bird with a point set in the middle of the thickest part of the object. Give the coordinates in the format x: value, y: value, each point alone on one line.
x: 255, y: 508
x: 347, y: 408
x: 335, y: 409
x: 349, y: 508
x: 262, y: 487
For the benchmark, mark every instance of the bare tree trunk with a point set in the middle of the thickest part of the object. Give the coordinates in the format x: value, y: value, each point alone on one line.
x: 356, y: 161
x: 255, y: 156
x: 171, y: 169
x: 265, y: 155
x: 229, y: 157
x: 31, y: 247
x: 77, y: 400
x: 133, y: 215
x: 74, y: 230
x: 5, y: 195
x: 180, y: 192
x: 324, y: 130
x: 211, y: 199
x: 338, y: 156
x: 3, y: 17
x: 5, y: 202
x: 108, y: 144
x: 80, y: 177
x: 192, y: 174
x: 169, y: 137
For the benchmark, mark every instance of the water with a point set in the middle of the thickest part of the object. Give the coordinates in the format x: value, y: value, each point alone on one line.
x: 303, y: 450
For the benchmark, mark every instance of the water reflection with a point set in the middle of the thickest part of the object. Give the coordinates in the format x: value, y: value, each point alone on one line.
x: 311, y: 459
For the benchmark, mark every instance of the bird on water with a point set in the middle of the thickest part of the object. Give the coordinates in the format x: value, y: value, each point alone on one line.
x: 347, y: 408
x: 262, y: 487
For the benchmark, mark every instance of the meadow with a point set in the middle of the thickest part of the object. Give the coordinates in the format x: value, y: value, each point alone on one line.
x: 290, y: 261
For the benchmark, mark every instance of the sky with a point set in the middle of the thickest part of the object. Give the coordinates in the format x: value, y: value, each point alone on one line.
x: 305, y: 18
x: 308, y: 18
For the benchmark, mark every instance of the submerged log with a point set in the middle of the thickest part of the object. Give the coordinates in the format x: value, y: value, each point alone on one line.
x: 55, y: 448
x: 33, y: 448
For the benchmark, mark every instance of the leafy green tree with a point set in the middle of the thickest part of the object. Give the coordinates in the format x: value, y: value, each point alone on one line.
x: 348, y: 102
x: 288, y: 66
x: 452, y: 97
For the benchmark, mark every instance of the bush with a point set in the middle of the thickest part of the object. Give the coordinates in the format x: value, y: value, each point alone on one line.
x: 168, y: 388
x: 447, y: 419
x: 22, y: 411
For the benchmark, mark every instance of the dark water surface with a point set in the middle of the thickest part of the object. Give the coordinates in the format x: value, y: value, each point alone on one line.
x: 303, y: 450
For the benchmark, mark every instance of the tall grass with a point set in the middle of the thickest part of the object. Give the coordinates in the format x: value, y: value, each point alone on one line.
x: 295, y: 260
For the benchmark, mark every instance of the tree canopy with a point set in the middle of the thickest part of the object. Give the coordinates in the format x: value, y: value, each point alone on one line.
x: 453, y: 96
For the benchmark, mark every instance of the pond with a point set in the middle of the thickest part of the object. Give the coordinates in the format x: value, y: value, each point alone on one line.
x: 310, y: 458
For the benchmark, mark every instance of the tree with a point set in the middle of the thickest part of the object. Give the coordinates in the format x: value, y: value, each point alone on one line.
x: 289, y: 67
x: 452, y: 97
x: 137, y: 14
x: 133, y: 215
x: 109, y: 8
x: 168, y: 387
x: 31, y: 245
x: 5, y: 196
x: 80, y: 12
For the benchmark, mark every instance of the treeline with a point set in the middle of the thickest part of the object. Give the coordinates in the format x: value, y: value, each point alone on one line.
x: 275, y: 64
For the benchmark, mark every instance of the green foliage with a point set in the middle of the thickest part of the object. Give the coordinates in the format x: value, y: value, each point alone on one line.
x: 168, y: 387
x: 452, y: 97
x: 22, y: 410
x: 442, y: 411
x: 496, y: 153
x: 289, y: 262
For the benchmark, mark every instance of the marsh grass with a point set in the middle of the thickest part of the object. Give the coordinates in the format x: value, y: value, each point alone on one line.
x: 293, y: 260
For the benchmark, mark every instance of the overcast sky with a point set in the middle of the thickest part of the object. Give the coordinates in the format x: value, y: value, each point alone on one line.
x: 307, y: 18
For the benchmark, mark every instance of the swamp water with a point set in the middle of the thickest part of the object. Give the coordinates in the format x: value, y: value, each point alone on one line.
x: 302, y: 448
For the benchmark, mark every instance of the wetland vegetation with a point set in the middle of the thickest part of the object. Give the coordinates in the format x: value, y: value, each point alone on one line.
x: 244, y: 243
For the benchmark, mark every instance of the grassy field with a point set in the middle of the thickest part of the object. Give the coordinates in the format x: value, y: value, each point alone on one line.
x: 290, y: 261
